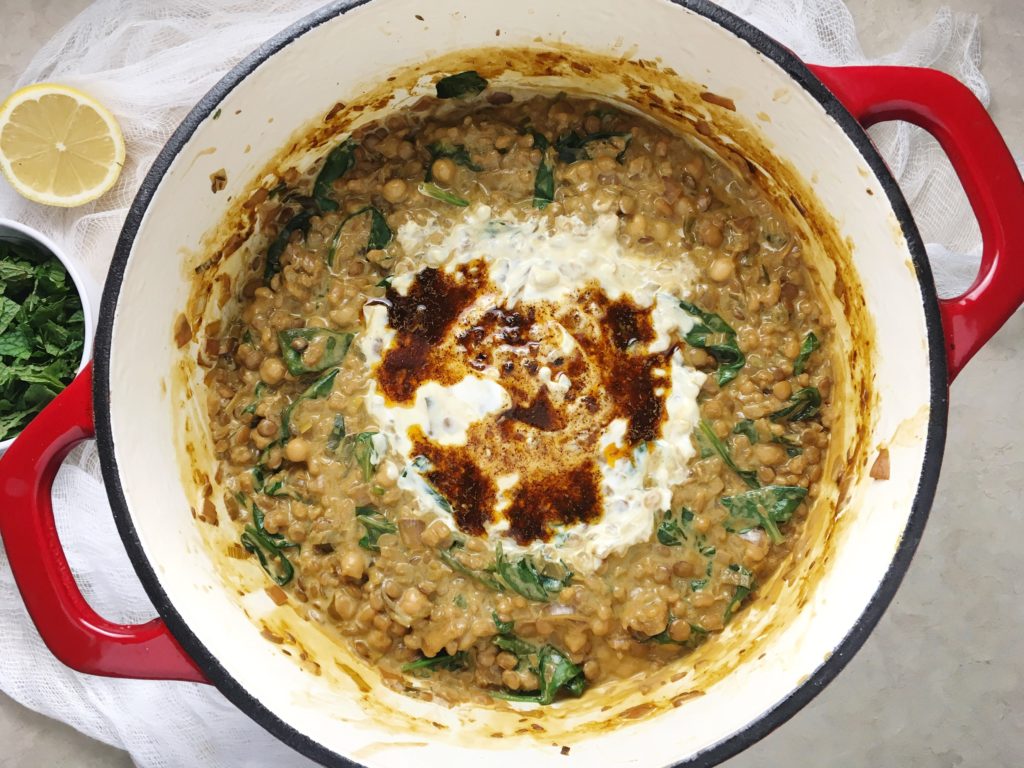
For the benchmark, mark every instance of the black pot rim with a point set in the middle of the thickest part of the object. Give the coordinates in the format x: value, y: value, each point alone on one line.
x: 729, y: 745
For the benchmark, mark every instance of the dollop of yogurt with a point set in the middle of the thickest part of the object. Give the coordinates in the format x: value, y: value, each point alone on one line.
x: 525, y: 380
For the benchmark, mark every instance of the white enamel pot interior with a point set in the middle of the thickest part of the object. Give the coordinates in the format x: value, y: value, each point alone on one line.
x: 770, y: 661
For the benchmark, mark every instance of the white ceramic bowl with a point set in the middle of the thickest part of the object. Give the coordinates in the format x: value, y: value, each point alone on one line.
x: 88, y: 291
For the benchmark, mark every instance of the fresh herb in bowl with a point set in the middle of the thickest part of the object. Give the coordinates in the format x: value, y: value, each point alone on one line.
x: 42, y: 331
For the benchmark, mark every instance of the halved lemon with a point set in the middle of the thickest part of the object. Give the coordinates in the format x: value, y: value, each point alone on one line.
x: 58, y: 146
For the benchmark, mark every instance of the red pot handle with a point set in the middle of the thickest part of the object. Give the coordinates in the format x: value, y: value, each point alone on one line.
x: 948, y: 110
x: 73, y: 631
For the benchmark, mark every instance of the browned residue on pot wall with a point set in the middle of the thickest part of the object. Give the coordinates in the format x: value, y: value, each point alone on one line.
x: 647, y: 87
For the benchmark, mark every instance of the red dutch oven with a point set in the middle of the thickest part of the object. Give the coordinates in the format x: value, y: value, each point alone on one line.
x: 805, y: 124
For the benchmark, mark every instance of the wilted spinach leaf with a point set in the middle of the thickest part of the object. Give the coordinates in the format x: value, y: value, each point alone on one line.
x: 767, y: 508
x: 380, y: 233
x: 361, y: 449
x: 543, y: 183
x: 297, y: 223
x: 423, y: 667
x: 339, y: 161
x: 746, y: 427
x: 672, y: 529
x: 336, y: 346
x: 744, y: 586
x: 430, y: 189
x: 376, y: 525
x: 707, y: 434
x: 792, y: 448
x: 803, y: 405
x: 509, y: 642
x: 523, y: 577
x: 810, y: 344
x: 460, y: 86
x: 257, y: 395
x: 716, y: 336
x: 337, y: 433
x: 555, y: 673
x: 697, y: 635
x: 456, y: 152
x: 484, y: 577
x: 268, y: 547
x: 503, y: 627
x: 318, y: 389
x: 572, y: 146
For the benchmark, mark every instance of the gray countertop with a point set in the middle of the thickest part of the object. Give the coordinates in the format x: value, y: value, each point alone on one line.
x: 939, y: 682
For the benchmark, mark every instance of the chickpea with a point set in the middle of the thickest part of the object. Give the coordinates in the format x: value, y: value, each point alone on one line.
x: 637, y: 226
x: 353, y: 564
x: 721, y: 269
x: 298, y: 449
x: 272, y: 371
x: 661, y: 230
x: 782, y: 390
x: 627, y: 204
x: 575, y: 641
x: 414, y: 603
x: 791, y: 348
x: 344, y: 605
x: 528, y: 681
x: 395, y: 190
x: 684, y: 207
x: 443, y: 170
x: 600, y: 627
x: 696, y: 357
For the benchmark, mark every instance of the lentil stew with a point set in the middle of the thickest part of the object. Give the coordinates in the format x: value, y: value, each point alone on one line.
x: 526, y: 393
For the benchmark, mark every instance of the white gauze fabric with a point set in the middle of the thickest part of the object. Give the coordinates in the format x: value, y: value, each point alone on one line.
x: 149, y: 62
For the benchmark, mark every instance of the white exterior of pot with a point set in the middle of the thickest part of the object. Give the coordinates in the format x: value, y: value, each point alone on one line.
x: 335, y: 61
